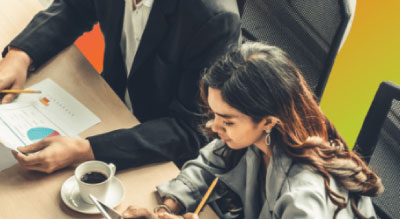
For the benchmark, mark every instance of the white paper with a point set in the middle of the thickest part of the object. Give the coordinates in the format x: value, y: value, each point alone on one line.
x: 33, y: 117
x: 62, y: 106
x: 23, y: 123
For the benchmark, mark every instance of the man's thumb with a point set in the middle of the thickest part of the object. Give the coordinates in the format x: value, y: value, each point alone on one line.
x: 33, y: 147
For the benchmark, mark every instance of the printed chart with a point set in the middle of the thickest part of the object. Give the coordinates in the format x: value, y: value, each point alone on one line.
x: 33, y: 117
x: 23, y: 124
x: 39, y: 133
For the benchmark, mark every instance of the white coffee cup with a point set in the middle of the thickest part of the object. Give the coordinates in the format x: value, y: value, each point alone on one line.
x: 98, y: 190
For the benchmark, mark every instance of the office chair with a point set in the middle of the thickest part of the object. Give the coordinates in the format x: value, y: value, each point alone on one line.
x: 310, y: 31
x: 379, y: 144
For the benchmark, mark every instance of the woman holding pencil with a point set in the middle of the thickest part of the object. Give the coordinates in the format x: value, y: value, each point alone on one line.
x: 277, y: 155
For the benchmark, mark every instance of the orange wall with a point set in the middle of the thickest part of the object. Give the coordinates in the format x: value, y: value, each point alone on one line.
x: 91, y: 45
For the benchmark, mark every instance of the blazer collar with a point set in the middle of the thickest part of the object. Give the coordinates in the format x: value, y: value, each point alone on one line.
x: 156, y: 28
x: 248, y: 166
x: 247, y: 189
x: 276, y: 174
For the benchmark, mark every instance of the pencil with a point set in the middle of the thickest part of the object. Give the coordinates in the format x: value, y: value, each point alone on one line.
x: 205, y: 197
x: 20, y: 91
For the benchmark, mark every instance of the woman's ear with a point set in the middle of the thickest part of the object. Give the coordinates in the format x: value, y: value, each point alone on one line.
x: 270, y: 122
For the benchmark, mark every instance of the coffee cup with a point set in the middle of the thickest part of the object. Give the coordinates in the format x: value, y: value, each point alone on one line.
x: 94, y: 177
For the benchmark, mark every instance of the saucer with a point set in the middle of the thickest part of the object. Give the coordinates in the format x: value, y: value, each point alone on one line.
x: 71, y: 197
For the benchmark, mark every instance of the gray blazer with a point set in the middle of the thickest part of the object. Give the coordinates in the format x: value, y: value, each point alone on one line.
x: 292, y: 190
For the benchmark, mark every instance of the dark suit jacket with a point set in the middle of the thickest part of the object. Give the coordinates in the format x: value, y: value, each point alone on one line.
x: 181, y: 39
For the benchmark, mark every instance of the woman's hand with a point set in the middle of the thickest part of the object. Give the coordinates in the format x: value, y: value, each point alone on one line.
x: 135, y: 212
x: 165, y: 215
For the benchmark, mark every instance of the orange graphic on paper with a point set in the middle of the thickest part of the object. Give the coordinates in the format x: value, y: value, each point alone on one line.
x: 44, y: 101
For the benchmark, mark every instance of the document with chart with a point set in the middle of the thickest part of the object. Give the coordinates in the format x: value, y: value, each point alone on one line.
x: 33, y: 117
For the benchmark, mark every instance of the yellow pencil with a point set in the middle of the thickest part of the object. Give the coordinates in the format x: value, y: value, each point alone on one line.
x: 20, y: 91
x: 205, y: 197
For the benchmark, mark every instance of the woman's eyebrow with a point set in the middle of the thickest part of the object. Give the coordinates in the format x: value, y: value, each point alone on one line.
x: 226, y: 116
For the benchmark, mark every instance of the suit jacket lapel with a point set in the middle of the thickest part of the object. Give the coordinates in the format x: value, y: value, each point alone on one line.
x: 154, y: 32
x: 114, y: 66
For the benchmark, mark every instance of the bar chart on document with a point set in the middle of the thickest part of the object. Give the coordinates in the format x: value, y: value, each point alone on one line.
x: 33, y: 117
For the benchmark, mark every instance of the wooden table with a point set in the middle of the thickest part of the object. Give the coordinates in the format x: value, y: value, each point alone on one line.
x: 28, y: 194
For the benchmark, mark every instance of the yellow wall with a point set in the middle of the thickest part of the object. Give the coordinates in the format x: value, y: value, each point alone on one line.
x: 370, y: 55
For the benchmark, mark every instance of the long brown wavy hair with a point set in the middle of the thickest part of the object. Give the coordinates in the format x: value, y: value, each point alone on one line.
x: 260, y: 80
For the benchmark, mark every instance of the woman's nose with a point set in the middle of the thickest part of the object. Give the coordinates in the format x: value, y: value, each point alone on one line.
x: 216, y: 125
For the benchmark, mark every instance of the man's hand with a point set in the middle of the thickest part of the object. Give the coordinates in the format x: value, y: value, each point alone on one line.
x: 13, y: 72
x: 54, y: 153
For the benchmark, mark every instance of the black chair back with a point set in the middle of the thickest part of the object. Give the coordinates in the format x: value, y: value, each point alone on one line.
x: 379, y: 144
x: 310, y: 31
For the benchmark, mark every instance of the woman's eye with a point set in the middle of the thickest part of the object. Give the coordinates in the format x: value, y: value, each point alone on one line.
x: 227, y: 123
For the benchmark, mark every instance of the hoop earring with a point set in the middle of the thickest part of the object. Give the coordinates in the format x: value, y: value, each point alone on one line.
x: 268, y: 137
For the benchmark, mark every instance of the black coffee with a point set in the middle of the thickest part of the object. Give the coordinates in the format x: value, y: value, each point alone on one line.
x: 94, y: 177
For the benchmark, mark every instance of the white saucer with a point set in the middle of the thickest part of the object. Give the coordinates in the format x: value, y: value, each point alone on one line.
x: 71, y: 197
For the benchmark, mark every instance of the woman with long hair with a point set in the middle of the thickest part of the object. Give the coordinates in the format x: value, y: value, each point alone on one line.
x: 277, y: 155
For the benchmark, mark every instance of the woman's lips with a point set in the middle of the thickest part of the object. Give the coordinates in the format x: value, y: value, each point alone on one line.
x: 223, y: 139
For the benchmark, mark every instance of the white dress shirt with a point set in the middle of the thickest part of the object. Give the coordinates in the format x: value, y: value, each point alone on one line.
x: 135, y: 21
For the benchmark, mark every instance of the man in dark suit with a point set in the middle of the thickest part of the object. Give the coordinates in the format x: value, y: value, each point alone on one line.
x: 180, y: 39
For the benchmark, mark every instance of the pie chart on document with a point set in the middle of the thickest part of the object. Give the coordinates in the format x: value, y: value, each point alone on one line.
x: 38, y: 133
